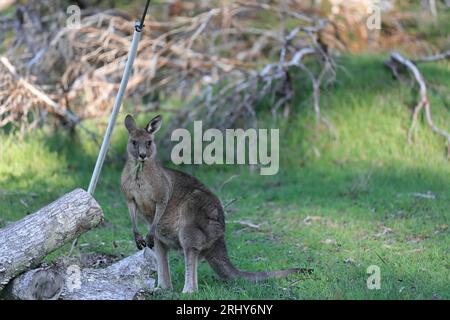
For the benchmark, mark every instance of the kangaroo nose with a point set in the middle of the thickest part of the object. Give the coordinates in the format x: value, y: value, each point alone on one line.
x: 142, y: 155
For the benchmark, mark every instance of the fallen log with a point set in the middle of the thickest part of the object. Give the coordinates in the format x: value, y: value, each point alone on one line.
x: 123, y: 280
x: 25, y: 243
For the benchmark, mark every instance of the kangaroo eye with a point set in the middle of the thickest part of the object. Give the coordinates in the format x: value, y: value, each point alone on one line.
x: 149, y: 143
x: 134, y: 142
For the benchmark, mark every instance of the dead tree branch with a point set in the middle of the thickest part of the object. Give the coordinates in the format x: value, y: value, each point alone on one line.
x: 434, y: 58
x: 37, y: 93
x: 395, y: 63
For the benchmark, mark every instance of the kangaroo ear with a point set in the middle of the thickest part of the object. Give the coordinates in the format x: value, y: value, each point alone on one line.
x: 154, y: 125
x: 130, y: 124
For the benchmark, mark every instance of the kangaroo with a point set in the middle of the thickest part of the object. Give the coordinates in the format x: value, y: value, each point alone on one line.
x: 181, y: 213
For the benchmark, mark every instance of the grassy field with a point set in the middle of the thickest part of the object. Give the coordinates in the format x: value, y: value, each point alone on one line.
x: 341, y: 202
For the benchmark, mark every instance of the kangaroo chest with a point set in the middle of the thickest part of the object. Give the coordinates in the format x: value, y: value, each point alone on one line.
x: 142, y: 192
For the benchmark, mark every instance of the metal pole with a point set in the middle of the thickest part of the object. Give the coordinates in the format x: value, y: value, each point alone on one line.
x: 116, y: 109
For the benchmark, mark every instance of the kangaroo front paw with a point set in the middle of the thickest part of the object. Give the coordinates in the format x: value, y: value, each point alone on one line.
x: 140, y: 242
x: 149, y: 239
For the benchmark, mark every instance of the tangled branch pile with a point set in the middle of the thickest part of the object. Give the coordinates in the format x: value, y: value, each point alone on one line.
x: 77, y: 71
x: 239, y: 93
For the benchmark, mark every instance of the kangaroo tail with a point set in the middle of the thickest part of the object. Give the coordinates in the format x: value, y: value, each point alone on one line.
x: 218, y: 259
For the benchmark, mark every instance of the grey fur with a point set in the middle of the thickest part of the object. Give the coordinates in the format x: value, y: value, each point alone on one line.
x: 180, y: 211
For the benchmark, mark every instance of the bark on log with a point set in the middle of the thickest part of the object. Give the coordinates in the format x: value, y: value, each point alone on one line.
x: 123, y: 280
x: 26, y: 242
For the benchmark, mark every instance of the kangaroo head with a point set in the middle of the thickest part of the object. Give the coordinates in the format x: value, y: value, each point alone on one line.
x: 141, y: 145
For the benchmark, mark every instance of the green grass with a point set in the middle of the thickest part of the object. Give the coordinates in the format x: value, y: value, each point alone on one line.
x: 340, y: 203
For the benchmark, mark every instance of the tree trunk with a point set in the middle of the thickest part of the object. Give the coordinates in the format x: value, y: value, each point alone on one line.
x: 26, y: 242
x: 123, y: 280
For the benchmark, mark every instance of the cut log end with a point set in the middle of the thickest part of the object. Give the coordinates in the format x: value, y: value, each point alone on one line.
x: 39, y: 284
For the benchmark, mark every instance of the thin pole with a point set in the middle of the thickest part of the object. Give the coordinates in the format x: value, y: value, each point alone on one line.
x: 116, y: 109
x: 141, y: 25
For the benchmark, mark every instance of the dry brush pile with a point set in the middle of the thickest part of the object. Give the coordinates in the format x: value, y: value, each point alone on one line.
x: 221, y: 56
x: 224, y: 61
